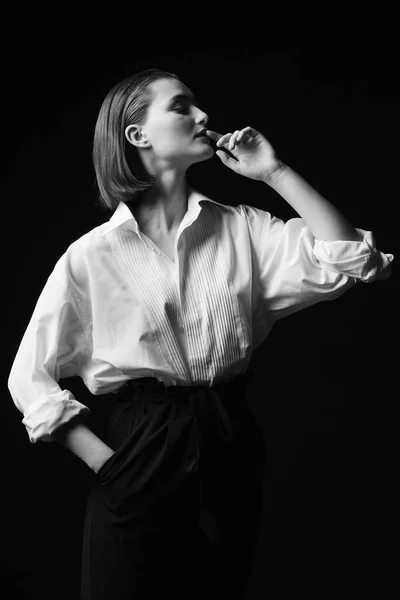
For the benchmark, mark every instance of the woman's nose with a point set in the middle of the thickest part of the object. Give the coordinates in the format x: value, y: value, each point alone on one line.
x: 202, y: 118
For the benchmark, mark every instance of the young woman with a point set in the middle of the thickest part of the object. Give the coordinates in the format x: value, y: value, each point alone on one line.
x: 160, y: 308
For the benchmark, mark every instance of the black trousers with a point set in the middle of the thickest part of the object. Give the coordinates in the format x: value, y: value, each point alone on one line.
x: 175, y: 511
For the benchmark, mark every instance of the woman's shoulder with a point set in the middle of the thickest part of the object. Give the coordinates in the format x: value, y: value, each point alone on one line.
x: 253, y: 216
x: 88, y: 240
x: 228, y: 207
x: 73, y: 264
x: 236, y: 216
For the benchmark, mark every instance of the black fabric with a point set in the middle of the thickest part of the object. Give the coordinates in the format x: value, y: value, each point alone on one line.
x: 175, y: 511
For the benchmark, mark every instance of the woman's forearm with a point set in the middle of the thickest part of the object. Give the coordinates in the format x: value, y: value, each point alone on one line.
x: 325, y: 221
x: 85, y: 444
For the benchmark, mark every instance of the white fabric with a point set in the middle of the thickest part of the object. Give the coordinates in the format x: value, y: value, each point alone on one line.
x: 115, y: 307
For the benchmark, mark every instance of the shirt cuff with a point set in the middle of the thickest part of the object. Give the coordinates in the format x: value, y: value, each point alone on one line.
x: 359, y: 259
x: 48, y: 413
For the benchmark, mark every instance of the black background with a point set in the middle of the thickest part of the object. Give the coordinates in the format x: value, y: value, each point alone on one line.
x: 325, y: 388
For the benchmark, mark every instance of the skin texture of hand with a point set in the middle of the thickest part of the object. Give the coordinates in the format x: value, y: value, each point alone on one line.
x: 255, y: 157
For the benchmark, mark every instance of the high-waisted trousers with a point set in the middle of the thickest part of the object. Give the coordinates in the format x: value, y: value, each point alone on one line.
x: 175, y: 511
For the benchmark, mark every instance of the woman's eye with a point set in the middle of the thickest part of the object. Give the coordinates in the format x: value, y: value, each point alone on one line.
x: 180, y: 108
x: 184, y: 108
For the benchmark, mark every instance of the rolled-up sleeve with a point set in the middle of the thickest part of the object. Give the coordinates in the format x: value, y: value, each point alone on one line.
x: 53, y: 346
x: 297, y: 270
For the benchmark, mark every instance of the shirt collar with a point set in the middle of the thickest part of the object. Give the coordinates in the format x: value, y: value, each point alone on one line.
x: 123, y: 214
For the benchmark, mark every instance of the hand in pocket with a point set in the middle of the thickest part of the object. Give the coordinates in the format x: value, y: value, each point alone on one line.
x: 106, y: 478
x: 100, y: 470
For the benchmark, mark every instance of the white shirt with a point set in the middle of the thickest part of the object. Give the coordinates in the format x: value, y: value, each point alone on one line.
x: 115, y: 307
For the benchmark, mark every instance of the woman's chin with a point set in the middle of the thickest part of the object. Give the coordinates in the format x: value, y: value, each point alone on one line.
x: 207, y: 153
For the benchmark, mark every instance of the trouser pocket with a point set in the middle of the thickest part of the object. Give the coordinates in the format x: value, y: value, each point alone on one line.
x: 144, y: 472
x: 102, y: 473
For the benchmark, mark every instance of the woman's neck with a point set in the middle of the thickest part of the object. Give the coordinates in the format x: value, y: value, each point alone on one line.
x: 162, y: 207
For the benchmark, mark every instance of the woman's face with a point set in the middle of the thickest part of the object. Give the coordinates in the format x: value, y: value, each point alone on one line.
x: 173, y: 120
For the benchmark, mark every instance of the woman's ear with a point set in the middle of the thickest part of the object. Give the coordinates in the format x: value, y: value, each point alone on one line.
x: 135, y: 136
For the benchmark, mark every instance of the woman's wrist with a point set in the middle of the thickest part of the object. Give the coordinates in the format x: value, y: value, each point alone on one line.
x: 275, y: 173
x: 101, y: 459
x: 84, y: 443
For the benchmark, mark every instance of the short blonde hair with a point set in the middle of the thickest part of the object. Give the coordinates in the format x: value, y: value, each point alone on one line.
x: 120, y: 173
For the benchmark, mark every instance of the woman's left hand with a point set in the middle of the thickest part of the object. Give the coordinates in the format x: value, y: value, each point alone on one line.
x: 255, y: 157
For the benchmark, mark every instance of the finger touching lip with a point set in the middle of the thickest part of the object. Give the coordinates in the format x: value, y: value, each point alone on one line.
x: 213, y: 135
